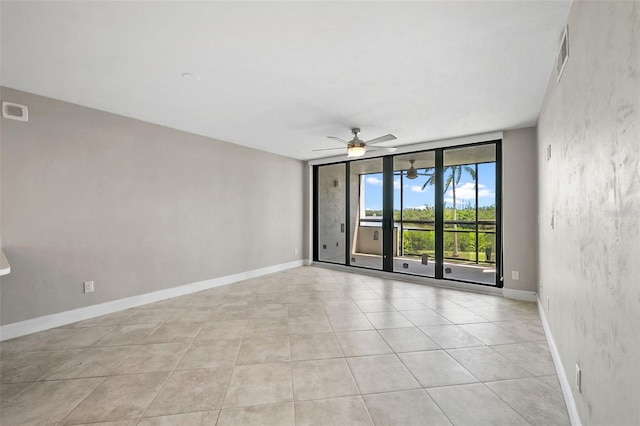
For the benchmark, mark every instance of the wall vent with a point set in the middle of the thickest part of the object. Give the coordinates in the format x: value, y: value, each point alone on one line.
x: 563, y: 53
x: 15, y: 111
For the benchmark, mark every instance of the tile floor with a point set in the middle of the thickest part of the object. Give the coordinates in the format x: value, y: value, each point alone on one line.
x: 308, y: 346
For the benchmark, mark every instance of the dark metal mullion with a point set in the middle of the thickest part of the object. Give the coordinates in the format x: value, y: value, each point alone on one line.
x: 387, y: 213
x: 316, y: 241
x: 499, y: 271
x: 401, y: 243
x: 439, y: 225
x: 477, y: 239
x: 347, y: 224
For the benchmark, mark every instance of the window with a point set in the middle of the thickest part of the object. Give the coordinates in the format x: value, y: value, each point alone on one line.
x: 431, y: 213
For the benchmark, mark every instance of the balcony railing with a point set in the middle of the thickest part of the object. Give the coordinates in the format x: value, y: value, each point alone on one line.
x: 479, y: 237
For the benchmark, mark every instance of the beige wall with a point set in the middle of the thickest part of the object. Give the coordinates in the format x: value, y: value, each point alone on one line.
x: 367, y: 244
x: 590, y: 191
x: 136, y: 207
x: 519, y: 208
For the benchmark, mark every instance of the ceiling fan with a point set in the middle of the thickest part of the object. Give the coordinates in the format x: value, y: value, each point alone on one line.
x: 412, y: 172
x: 357, y: 147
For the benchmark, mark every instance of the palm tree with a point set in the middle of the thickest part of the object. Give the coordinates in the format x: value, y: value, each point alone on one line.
x: 453, y: 175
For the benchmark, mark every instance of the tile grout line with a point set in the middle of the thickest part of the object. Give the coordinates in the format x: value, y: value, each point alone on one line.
x: 505, y: 402
x: 293, y: 389
x: 438, y: 405
x: 226, y: 390
x: 61, y: 421
x: 354, y: 377
x: 103, y: 378
x: 166, y: 378
x: 171, y: 372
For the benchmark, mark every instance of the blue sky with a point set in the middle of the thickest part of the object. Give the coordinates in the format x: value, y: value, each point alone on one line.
x: 415, y: 197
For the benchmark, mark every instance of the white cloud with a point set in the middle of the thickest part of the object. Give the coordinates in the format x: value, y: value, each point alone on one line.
x: 372, y: 180
x: 467, y: 192
x: 416, y: 188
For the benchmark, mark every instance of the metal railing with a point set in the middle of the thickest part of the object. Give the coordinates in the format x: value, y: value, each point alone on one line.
x: 405, y: 226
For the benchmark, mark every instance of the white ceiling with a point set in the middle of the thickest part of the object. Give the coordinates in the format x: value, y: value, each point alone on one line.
x: 281, y: 76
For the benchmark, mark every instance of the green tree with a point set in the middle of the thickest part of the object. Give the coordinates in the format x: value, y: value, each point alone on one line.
x: 452, y: 179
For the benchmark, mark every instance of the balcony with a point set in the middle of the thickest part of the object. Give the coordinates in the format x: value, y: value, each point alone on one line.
x: 414, y: 248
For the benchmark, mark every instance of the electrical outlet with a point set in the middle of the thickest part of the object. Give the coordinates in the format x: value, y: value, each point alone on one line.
x: 88, y: 286
x: 515, y: 275
x: 578, y: 378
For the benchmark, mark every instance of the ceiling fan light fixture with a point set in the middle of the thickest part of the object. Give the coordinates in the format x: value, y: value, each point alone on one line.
x: 356, y: 151
x: 356, y: 147
x: 412, y: 173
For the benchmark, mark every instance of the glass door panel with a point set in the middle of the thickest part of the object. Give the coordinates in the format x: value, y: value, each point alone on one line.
x: 487, y: 218
x: 414, y: 213
x: 331, y: 213
x: 366, y: 211
x: 469, y: 176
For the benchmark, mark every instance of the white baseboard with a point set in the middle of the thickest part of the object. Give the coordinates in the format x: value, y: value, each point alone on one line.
x: 527, y: 296
x: 47, y: 322
x: 562, y: 377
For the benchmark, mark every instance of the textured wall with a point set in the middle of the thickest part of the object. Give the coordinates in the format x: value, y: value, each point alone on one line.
x: 356, y: 190
x: 331, y: 212
x: 590, y: 210
x: 519, y: 208
x: 367, y: 244
x: 135, y: 207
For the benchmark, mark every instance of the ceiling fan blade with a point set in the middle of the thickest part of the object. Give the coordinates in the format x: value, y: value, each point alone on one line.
x: 382, y: 148
x: 381, y: 139
x: 338, y: 139
x: 326, y: 149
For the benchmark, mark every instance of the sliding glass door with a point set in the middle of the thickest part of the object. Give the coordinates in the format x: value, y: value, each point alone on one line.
x: 470, y: 213
x: 433, y: 213
x: 366, y: 213
x: 414, y: 209
x: 349, y: 213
